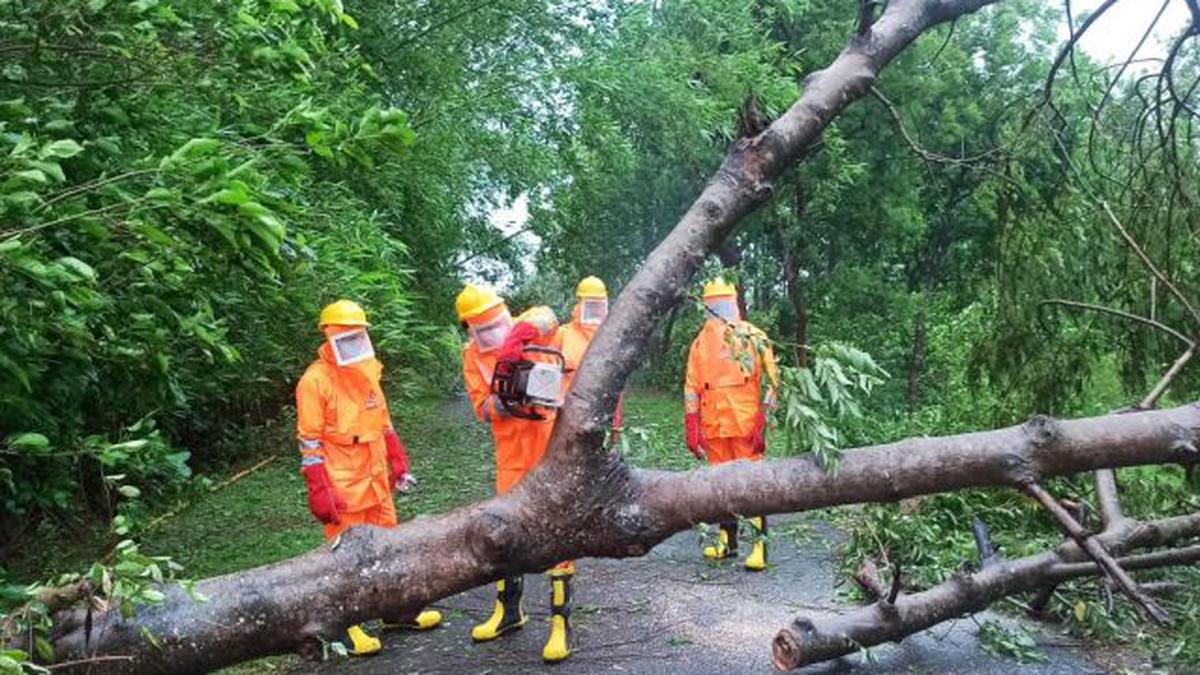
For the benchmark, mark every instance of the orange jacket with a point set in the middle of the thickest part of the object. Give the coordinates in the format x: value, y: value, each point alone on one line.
x: 519, y: 443
x: 572, y: 340
x: 341, y: 414
x: 725, y: 386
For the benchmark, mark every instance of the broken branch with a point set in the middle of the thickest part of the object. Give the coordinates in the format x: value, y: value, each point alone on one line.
x: 1097, y: 552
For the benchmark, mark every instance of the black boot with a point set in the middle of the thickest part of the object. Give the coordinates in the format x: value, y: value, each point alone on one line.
x: 508, y: 615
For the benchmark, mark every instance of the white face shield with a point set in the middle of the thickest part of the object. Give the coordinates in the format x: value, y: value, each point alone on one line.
x: 351, y: 347
x: 490, y: 336
x: 726, y: 308
x: 592, y: 311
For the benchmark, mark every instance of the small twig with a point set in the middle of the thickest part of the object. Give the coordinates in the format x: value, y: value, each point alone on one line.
x: 92, y: 659
x: 92, y: 185
x: 241, y: 474
x: 867, y: 580
x: 1066, y: 51
x: 927, y: 155
x: 1141, y: 254
x: 895, y: 590
x: 866, y: 16
x: 1097, y: 552
x: 1151, y: 400
x: 1119, y: 313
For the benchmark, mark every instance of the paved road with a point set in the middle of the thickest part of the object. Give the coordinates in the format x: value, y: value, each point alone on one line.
x: 670, y: 612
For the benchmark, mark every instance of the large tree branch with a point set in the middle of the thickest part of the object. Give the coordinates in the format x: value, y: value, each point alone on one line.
x: 806, y: 641
x: 884, y: 473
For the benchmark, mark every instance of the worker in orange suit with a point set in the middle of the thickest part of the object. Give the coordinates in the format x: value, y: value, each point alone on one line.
x: 519, y: 443
x: 726, y: 401
x: 591, y: 308
x: 351, y: 457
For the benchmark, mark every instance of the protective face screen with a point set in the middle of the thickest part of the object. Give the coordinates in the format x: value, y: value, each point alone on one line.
x: 491, y: 335
x: 726, y: 308
x: 593, y: 312
x: 352, y: 347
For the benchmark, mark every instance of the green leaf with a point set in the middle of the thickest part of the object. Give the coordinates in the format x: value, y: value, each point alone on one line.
x: 253, y: 209
x: 129, y: 491
x: 196, y: 147
x: 53, y: 169
x: 10, y: 666
x: 78, y: 266
x: 31, y: 175
x: 17, y: 372
x: 161, y: 194
x: 59, y: 126
x: 230, y: 196
x: 62, y: 149
x: 44, y: 649
x: 29, y: 441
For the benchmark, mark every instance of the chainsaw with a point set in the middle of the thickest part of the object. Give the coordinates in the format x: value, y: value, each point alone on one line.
x: 524, y: 386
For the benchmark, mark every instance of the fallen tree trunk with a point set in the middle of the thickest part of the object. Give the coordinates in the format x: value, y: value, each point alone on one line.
x: 809, y: 641
x: 371, y: 572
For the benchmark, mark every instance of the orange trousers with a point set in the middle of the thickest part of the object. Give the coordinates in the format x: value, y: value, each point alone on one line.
x: 721, y: 450
x: 520, y: 445
x: 381, y: 515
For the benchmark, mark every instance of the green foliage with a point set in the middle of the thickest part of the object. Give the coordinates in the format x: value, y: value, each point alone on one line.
x: 1016, y: 642
x: 178, y: 202
x: 816, y: 402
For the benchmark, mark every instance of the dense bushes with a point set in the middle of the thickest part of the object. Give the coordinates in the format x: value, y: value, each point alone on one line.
x: 177, y: 201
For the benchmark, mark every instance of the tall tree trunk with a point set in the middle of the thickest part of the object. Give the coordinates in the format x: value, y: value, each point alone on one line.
x: 916, y: 361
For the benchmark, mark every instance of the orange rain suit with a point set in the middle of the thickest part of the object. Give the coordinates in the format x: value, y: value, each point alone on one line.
x: 341, y: 414
x: 520, y: 443
x: 572, y: 340
x: 727, y: 395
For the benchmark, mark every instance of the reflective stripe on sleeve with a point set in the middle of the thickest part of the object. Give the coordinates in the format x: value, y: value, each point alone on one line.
x: 310, y: 444
x: 311, y: 460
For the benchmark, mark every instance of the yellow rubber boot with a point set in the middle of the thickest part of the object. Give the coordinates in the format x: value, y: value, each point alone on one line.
x: 558, y: 645
x: 508, y: 614
x: 726, y: 543
x: 359, y: 642
x: 424, y: 620
x: 757, y: 560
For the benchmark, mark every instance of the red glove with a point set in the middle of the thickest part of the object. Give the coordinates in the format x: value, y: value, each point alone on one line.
x: 618, y: 421
x: 397, y: 457
x: 758, y: 434
x: 693, y: 435
x: 323, y: 500
x: 513, y: 348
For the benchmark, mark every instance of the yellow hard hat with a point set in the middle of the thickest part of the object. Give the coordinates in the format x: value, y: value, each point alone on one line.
x: 343, y: 313
x: 718, y: 287
x: 474, y: 300
x: 591, y: 287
